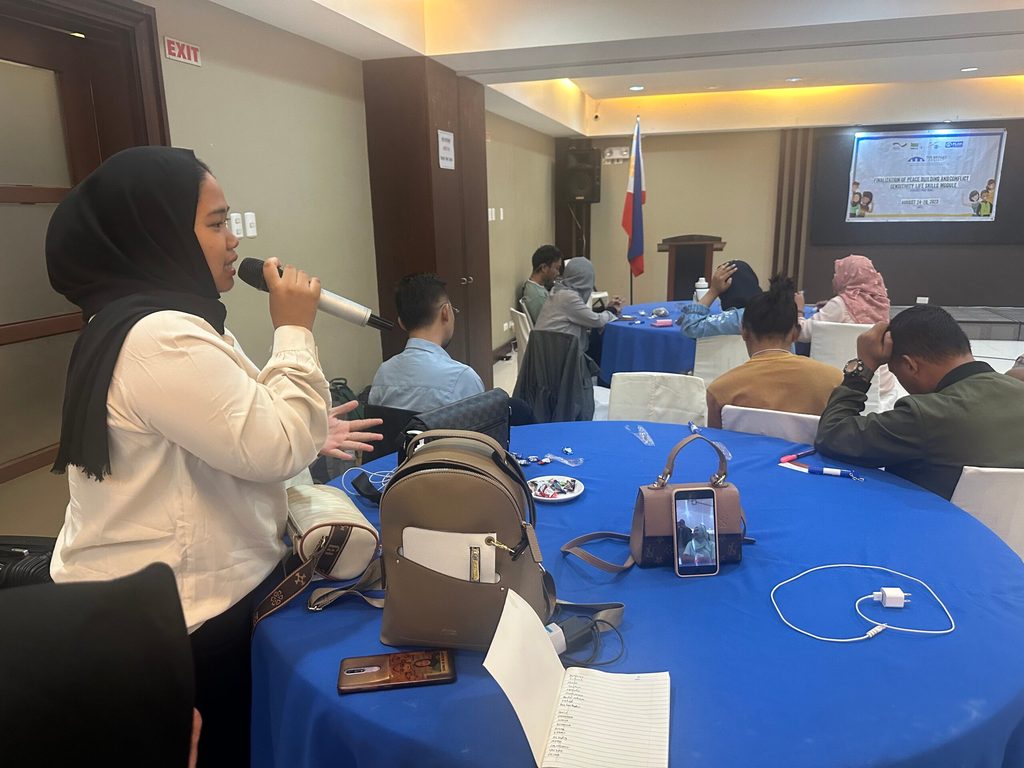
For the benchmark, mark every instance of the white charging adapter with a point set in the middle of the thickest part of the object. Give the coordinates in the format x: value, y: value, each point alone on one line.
x: 557, y: 637
x: 891, y: 597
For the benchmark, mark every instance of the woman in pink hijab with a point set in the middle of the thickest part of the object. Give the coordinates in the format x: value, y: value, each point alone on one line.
x: 861, y: 297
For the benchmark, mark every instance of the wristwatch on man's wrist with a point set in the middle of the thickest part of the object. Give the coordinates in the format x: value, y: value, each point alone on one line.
x: 855, y: 369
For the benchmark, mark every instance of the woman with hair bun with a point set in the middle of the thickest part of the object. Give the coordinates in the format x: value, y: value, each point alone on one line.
x: 773, y: 378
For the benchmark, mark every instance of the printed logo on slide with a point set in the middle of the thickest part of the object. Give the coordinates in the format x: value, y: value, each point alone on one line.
x: 899, y: 144
x: 953, y: 144
x: 915, y: 159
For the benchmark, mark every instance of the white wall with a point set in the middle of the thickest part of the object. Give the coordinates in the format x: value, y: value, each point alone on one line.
x: 520, y: 182
x: 280, y: 121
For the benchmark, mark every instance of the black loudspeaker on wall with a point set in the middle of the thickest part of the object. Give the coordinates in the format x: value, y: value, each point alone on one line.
x: 579, y: 179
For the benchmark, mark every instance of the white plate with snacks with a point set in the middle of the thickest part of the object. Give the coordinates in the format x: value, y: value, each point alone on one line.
x: 555, y: 489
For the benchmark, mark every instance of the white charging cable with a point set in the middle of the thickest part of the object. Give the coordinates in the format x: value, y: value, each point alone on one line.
x: 379, y: 480
x: 889, y: 597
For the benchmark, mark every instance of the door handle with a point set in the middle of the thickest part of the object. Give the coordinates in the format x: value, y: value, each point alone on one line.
x: 463, y: 281
x: 470, y: 279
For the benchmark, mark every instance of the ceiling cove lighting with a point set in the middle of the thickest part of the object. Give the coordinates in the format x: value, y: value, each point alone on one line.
x: 968, y: 69
x: 636, y: 87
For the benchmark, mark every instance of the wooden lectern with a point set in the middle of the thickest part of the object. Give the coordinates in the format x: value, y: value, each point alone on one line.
x: 690, y: 257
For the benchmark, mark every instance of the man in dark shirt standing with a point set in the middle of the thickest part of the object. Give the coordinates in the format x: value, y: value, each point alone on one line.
x: 959, y: 410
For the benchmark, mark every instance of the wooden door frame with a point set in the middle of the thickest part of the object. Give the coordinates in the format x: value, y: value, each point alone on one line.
x: 131, y: 29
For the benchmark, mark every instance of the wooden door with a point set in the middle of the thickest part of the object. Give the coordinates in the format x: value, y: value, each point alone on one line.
x: 70, y: 100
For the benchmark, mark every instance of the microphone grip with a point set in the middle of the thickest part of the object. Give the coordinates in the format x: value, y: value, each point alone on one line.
x: 339, y: 306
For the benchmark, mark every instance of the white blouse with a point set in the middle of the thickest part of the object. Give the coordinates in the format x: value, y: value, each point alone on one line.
x: 200, y: 444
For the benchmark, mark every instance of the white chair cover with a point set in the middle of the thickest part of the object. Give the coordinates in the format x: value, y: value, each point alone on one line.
x: 663, y: 397
x: 996, y: 497
x: 796, y: 427
x: 717, y: 354
x: 525, y: 311
x: 836, y: 344
x: 523, y: 326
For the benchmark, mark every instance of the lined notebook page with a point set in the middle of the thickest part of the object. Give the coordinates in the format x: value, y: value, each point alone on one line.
x: 606, y: 720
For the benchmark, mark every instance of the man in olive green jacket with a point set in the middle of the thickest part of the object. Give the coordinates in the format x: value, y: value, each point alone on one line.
x: 959, y: 410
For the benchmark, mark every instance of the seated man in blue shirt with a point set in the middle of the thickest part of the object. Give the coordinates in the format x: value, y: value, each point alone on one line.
x: 423, y: 376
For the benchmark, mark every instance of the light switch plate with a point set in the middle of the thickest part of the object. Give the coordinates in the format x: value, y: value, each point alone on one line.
x: 235, y: 220
x: 250, y: 224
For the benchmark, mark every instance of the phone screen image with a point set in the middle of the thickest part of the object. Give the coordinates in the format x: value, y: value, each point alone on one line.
x: 696, y: 533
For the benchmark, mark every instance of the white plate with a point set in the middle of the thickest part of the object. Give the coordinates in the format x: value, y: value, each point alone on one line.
x: 557, y: 499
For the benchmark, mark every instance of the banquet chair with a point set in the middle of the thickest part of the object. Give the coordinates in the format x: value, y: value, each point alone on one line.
x: 522, y: 325
x: 995, y: 496
x: 796, y: 427
x: 717, y: 354
x: 672, y: 398
x: 555, y: 378
x: 836, y: 344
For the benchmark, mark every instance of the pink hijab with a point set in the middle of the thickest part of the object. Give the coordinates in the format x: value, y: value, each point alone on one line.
x: 862, y: 289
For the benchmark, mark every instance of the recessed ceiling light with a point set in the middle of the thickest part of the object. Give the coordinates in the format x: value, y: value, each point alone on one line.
x: 947, y: 121
x: 77, y: 34
x: 793, y: 79
x: 636, y: 87
x: 968, y: 69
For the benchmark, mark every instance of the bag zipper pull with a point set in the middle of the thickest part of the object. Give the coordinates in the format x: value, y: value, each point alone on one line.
x: 493, y: 541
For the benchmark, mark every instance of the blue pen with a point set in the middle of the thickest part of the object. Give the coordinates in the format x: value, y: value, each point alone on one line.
x: 831, y: 471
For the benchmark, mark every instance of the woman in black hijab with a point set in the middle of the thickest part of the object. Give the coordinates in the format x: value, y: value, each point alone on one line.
x: 97, y: 673
x: 174, y: 442
x: 735, y: 283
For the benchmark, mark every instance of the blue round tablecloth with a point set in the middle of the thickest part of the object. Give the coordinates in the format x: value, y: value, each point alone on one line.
x: 746, y: 690
x: 631, y: 347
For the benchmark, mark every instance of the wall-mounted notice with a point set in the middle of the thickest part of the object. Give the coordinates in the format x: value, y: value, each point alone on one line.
x: 940, y: 175
x: 446, y: 149
x: 179, y: 51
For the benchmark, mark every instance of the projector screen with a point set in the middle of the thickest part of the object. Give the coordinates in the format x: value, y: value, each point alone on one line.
x: 936, y: 175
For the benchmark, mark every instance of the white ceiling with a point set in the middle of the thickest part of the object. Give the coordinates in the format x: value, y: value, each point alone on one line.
x: 669, y: 46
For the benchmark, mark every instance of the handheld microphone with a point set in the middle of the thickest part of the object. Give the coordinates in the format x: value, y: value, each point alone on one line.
x: 251, y: 272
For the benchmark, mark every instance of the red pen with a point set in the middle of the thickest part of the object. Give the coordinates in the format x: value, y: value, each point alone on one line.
x: 795, y: 456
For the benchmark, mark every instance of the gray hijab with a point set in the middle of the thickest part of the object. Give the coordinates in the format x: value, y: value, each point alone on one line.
x: 578, y: 276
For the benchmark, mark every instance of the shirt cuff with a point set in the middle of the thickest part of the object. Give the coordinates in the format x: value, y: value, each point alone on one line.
x: 291, y: 338
x: 696, y: 308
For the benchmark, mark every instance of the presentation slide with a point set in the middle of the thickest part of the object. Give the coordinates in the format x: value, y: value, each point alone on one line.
x: 940, y: 175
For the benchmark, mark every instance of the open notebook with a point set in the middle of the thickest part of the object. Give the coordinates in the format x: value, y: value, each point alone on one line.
x: 576, y: 718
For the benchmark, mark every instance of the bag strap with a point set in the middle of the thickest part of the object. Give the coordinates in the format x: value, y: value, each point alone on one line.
x: 575, y: 547
x: 322, y: 562
x: 371, y: 580
x: 717, y: 479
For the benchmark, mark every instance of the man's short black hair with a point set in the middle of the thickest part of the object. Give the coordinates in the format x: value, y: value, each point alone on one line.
x: 772, y: 313
x: 546, y: 254
x: 927, y: 332
x: 418, y: 298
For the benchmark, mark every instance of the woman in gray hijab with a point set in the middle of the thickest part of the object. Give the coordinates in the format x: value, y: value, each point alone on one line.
x: 567, y: 311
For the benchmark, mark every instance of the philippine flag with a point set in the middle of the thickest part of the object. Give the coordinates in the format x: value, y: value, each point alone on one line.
x: 632, y: 211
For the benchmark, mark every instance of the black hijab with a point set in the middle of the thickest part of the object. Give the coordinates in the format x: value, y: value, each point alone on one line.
x: 743, y: 288
x: 96, y: 673
x: 121, y: 246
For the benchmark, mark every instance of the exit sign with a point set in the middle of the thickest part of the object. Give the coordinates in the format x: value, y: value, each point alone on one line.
x: 179, y: 51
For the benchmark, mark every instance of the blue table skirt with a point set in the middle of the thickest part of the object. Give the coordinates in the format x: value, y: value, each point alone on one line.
x: 746, y: 690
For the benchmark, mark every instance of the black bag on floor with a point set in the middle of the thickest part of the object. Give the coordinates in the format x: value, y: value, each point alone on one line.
x: 25, y: 560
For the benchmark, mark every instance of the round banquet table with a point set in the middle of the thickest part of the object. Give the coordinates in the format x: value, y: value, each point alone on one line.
x: 643, y: 347
x: 746, y: 690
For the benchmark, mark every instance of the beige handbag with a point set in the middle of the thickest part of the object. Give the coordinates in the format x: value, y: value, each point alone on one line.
x: 651, y: 537
x: 461, y: 486
x: 331, y: 537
